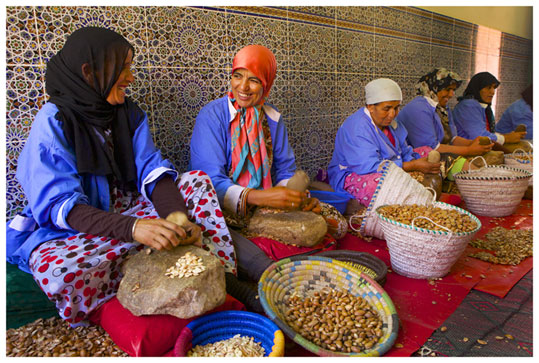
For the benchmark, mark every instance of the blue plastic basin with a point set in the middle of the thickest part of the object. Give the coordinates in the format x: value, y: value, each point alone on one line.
x: 338, y: 200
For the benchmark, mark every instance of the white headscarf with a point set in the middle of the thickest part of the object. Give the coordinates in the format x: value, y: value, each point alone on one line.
x: 381, y: 90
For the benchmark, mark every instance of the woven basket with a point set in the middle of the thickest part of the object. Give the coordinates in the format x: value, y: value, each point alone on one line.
x: 395, y: 187
x: 493, y: 191
x: 362, y: 261
x: 524, y: 162
x: 423, y: 253
x: 304, y: 275
x: 223, y: 325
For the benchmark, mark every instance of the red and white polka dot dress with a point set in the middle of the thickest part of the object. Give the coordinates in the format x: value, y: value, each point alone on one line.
x: 82, y: 272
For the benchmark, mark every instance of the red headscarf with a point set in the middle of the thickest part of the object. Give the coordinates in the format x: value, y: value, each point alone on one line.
x: 250, y: 165
x: 259, y: 60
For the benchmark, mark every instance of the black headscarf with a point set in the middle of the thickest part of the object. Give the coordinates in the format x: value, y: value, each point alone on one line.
x: 477, y: 83
x: 83, y: 108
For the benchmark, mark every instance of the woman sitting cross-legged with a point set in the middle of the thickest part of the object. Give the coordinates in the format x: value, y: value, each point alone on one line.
x: 95, y: 182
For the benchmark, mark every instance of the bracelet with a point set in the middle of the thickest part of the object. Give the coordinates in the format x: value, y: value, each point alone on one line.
x: 133, y: 229
x: 242, y: 202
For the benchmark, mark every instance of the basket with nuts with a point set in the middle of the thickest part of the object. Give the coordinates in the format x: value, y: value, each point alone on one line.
x: 328, y: 308
x: 435, y: 218
x: 425, y: 241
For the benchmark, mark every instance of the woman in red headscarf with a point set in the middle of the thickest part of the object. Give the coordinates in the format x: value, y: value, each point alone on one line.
x: 241, y: 142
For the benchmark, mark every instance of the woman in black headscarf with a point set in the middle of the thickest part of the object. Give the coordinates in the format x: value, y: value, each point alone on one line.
x: 473, y: 114
x: 95, y: 182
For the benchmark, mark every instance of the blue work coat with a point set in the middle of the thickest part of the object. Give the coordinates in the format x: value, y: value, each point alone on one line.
x: 211, y: 148
x: 471, y: 120
x: 423, y: 124
x: 519, y: 112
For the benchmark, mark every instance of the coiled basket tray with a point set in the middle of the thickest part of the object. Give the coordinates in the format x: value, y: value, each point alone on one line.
x: 223, y: 325
x: 303, y: 276
x: 363, y: 261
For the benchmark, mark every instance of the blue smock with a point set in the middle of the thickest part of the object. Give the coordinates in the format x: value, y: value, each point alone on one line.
x: 47, y: 172
x: 211, y: 149
x: 423, y: 124
x: 471, y: 120
x: 519, y: 112
x: 360, y: 147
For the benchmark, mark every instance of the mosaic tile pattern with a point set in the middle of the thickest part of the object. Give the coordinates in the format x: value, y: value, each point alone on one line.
x: 325, y: 56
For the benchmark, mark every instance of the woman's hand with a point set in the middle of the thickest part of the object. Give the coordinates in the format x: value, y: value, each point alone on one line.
x: 276, y: 197
x: 424, y: 166
x: 514, y: 137
x: 475, y: 148
x: 162, y: 234
x: 312, y: 204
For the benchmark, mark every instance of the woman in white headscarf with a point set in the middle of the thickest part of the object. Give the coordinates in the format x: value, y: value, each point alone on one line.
x: 370, y: 136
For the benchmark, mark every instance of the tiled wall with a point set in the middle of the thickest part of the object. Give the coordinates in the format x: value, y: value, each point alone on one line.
x: 325, y: 56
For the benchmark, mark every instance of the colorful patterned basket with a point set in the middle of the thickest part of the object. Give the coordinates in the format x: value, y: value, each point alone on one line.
x: 224, y: 325
x: 423, y: 253
x: 362, y: 261
x: 302, y: 275
x: 493, y: 191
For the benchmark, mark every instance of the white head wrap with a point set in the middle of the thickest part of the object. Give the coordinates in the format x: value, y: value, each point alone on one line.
x: 381, y: 90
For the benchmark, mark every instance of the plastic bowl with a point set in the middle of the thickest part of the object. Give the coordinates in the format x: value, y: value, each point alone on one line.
x: 336, y: 199
x: 223, y: 325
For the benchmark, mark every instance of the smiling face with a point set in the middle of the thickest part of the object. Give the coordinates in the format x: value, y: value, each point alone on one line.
x: 116, y: 95
x: 487, y: 93
x: 246, y: 88
x: 446, y: 94
x: 384, y: 113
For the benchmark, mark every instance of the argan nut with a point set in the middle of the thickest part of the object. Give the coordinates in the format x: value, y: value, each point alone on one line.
x: 520, y: 128
x: 177, y: 217
x: 433, y: 157
x: 483, y: 140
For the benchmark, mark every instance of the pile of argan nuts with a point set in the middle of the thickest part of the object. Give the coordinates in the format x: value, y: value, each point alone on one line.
x: 449, y: 218
x: 417, y: 175
x: 53, y: 337
x: 335, y: 320
x: 510, y: 246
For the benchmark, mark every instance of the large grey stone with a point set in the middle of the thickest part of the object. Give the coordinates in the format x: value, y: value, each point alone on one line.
x: 294, y: 228
x: 145, y: 290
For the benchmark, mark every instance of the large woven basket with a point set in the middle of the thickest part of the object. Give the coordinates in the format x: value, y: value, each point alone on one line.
x: 395, y: 187
x: 493, y: 191
x: 423, y: 253
x: 362, y: 261
x: 520, y: 160
x: 304, y: 275
x: 224, y: 325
